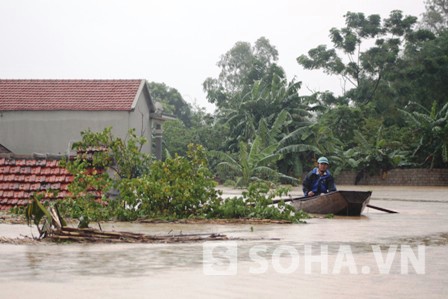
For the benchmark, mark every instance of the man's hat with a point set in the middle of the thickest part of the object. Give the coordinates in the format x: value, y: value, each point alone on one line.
x: 323, y: 160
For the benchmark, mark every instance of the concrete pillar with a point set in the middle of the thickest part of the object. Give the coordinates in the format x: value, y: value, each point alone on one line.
x: 158, y: 135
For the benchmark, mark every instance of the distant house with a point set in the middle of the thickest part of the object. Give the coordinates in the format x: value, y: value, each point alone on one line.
x: 47, y: 116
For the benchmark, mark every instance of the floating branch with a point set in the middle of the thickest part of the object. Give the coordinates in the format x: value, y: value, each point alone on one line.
x: 94, y: 235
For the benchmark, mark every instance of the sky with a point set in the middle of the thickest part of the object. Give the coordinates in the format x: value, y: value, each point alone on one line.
x: 176, y: 42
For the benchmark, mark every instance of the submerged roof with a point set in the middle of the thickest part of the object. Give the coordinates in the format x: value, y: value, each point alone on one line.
x: 20, y: 178
x: 75, y: 95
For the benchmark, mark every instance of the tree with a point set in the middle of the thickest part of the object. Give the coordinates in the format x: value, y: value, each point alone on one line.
x: 431, y: 128
x: 264, y: 103
x: 421, y: 75
x: 255, y: 162
x: 344, y: 120
x: 172, y: 101
x: 364, y: 68
x: 375, y: 154
x: 308, y: 142
x: 241, y: 67
x: 436, y: 16
x: 176, y: 137
x: 386, y: 63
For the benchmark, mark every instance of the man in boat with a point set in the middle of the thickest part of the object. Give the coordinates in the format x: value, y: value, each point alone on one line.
x: 319, y: 180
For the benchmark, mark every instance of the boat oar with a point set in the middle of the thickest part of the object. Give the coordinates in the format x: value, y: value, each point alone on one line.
x: 274, y: 201
x: 382, y: 209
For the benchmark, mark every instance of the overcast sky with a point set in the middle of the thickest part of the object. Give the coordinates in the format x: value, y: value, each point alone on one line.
x: 177, y: 42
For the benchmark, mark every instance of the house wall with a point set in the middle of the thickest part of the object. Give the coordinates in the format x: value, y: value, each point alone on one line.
x: 398, y: 177
x: 26, y: 132
x: 140, y: 120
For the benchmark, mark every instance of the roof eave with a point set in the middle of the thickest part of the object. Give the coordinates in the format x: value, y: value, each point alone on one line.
x: 137, y: 95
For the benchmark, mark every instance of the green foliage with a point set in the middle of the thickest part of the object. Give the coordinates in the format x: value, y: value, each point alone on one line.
x: 268, y: 113
x: 172, y: 101
x: 379, y: 154
x: 241, y: 67
x: 86, y: 209
x: 310, y: 141
x: 37, y: 214
x: 276, y: 105
x: 344, y: 120
x: 256, y: 202
x: 176, y: 137
x: 124, y: 157
x: 255, y: 162
x: 431, y: 129
x: 179, y: 187
x: 421, y: 75
x: 183, y: 187
x: 364, y: 69
x: 436, y: 16
x: 388, y: 63
x: 229, y: 183
x: 103, y: 163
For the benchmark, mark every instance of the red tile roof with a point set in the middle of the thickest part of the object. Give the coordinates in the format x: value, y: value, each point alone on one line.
x: 21, y: 177
x: 76, y: 95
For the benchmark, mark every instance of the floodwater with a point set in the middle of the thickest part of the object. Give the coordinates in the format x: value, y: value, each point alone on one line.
x: 377, y: 255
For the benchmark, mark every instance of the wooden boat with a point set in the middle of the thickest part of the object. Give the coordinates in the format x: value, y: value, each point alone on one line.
x: 347, y: 203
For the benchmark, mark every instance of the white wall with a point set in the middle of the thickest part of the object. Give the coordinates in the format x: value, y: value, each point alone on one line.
x: 26, y: 132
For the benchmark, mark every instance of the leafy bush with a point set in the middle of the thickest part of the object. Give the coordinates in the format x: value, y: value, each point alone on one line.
x: 256, y: 202
x: 102, y: 164
x: 179, y: 187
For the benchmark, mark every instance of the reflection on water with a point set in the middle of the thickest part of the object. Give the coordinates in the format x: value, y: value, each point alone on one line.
x: 37, y: 262
x: 176, y: 270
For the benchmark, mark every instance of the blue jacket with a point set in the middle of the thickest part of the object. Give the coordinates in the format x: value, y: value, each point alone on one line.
x: 317, y: 183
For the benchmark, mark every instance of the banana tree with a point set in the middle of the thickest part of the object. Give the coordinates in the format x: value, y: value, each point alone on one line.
x: 253, y: 163
x: 431, y: 128
x: 309, y: 141
x: 379, y: 154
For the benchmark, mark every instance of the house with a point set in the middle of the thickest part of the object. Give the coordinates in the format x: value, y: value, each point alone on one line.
x: 47, y: 116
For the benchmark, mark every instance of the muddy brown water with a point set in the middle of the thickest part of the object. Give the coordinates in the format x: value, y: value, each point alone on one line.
x: 377, y: 255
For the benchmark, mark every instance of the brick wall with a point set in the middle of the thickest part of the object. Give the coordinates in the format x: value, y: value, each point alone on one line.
x: 398, y: 177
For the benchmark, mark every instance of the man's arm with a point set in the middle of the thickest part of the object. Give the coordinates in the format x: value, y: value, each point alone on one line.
x: 331, y: 185
x: 306, y: 185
